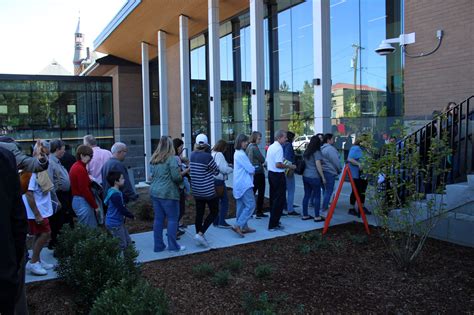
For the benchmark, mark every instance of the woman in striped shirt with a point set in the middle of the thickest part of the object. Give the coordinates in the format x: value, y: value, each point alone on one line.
x: 203, y: 168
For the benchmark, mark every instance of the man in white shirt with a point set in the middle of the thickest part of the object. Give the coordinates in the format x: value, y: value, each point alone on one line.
x: 276, y: 178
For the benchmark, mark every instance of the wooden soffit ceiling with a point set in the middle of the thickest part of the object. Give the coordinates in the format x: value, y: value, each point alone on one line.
x: 150, y: 16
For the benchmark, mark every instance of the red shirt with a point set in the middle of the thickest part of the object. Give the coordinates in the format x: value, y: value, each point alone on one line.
x: 81, y: 183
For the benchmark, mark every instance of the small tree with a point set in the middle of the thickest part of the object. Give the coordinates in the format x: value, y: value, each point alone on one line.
x: 399, y: 201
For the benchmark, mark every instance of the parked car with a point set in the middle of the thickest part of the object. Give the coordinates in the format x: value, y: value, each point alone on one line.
x: 301, y: 142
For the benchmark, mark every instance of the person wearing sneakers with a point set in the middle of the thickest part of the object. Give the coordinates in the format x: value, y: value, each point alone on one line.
x: 39, y: 208
x: 116, y: 210
x: 164, y: 190
x: 257, y: 160
x: 224, y: 170
x: 203, y: 169
x: 243, y: 187
x: 331, y: 169
x: 276, y: 178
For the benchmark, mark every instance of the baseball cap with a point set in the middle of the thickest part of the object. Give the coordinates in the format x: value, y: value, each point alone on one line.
x: 201, y: 139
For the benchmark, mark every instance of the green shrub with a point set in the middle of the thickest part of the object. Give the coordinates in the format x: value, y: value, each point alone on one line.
x: 233, y: 265
x: 131, y: 298
x: 263, y: 271
x: 68, y: 239
x: 257, y: 306
x: 311, y: 236
x: 94, y: 263
x: 357, y: 239
x: 305, y: 249
x: 203, y: 270
x: 320, y: 242
x: 221, y: 278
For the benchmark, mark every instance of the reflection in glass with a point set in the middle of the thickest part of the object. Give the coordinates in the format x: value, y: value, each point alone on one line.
x: 367, y: 93
x: 62, y: 108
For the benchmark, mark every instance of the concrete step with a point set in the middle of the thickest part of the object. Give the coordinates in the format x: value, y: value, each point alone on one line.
x: 470, y: 180
x: 456, y: 228
x: 468, y: 209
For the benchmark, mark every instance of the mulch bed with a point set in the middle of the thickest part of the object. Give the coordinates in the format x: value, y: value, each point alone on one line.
x: 343, y: 273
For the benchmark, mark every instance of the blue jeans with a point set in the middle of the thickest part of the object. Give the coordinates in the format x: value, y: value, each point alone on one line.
x: 312, y: 187
x: 121, y: 233
x: 85, y: 213
x: 328, y: 189
x: 290, y: 188
x: 245, y: 208
x: 170, y: 209
x: 223, y: 208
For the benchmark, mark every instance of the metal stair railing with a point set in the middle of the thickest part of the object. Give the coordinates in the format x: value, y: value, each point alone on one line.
x: 457, y: 124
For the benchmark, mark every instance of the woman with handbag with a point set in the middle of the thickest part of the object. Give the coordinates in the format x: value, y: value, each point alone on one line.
x: 243, y: 187
x: 164, y: 191
x: 219, y: 181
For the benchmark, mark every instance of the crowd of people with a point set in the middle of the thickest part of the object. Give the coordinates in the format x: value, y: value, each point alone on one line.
x: 94, y: 186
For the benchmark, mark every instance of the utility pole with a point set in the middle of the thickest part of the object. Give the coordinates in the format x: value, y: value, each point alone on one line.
x: 355, y: 60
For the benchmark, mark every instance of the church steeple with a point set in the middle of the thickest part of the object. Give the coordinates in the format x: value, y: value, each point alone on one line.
x: 79, y: 53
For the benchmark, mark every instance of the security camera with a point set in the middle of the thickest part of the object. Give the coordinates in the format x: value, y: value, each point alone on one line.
x: 384, y: 49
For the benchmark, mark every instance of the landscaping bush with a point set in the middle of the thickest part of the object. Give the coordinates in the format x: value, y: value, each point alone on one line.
x: 234, y: 265
x: 68, y: 239
x: 221, y: 278
x: 405, y: 171
x: 94, y: 262
x: 263, y: 271
x: 203, y: 270
x: 129, y: 298
x: 257, y: 306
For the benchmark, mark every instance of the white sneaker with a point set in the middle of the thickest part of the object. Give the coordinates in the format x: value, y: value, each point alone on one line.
x: 46, y: 266
x: 200, y: 240
x: 36, y: 269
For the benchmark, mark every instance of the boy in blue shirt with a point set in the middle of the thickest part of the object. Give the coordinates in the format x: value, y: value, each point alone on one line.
x: 116, y: 212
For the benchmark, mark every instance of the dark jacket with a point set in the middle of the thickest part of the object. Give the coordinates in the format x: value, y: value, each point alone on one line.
x: 13, y: 226
x: 115, y: 165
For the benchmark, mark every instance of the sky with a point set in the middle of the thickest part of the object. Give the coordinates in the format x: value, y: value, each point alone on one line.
x: 34, y: 32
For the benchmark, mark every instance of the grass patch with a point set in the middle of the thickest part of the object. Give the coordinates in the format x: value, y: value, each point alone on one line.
x: 203, y: 270
x: 263, y: 271
x: 221, y: 278
x: 260, y: 305
x: 233, y: 265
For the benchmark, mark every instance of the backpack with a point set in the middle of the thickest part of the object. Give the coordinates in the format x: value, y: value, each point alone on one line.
x: 300, y: 166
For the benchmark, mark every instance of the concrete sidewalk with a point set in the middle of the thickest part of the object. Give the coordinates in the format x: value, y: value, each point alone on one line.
x: 220, y: 238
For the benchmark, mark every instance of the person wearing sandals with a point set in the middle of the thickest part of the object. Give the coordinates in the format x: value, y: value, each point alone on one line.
x: 243, y: 187
x: 164, y: 191
x: 331, y: 168
x: 313, y: 178
x: 203, y: 169
x: 219, y: 180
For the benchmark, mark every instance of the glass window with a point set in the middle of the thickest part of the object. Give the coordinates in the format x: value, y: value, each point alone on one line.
x: 367, y: 94
x: 46, y: 109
